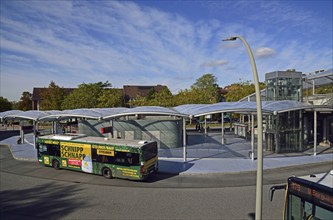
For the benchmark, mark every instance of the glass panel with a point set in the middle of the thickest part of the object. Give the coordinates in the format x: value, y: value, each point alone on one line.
x: 307, y: 210
x: 294, y: 208
x: 149, y: 151
x: 322, y: 214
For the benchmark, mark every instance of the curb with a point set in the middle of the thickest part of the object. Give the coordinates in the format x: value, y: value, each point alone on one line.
x: 18, y: 158
x: 244, y: 171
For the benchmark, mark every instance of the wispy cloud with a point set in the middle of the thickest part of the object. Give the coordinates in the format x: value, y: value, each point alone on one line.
x: 264, y: 52
x: 215, y: 63
x: 125, y: 42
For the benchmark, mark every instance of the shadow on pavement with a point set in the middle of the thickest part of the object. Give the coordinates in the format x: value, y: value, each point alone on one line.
x: 252, y: 215
x: 7, y: 134
x: 177, y: 167
x: 42, y: 202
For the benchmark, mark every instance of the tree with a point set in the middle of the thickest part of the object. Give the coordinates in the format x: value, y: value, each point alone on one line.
x: 189, y: 96
x: 14, y: 105
x: 25, y: 102
x: 162, y: 98
x: 206, y: 89
x: 110, y: 98
x: 139, y: 101
x: 52, y: 97
x: 240, y: 90
x: 206, y: 81
x: 85, y: 96
x: 5, y: 105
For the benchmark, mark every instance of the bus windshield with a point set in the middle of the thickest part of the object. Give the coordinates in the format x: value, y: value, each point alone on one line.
x: 149, y: 151
x: 308, y: 198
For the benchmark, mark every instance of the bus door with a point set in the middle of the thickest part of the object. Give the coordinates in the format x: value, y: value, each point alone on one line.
x: 46, y: 153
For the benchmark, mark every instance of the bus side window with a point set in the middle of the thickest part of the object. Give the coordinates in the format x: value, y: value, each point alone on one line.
x: 127, y: 159
x: 42, y: 149
x: 104, y: 159
x: 133, y: 159
x: 54, y: 150
x: 120, y: 158
x: 94, y: 155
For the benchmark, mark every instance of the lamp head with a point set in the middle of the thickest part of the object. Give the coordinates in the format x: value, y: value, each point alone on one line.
x: 230, y: 39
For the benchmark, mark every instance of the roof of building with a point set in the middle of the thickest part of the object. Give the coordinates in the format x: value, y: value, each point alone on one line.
x: 133, y: 91
x: 36, y: 93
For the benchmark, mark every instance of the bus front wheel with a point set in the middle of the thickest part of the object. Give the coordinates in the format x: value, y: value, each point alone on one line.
x: 106, y: 172
x: 56, y: 164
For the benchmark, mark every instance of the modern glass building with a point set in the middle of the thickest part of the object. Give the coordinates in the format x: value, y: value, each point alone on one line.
x: 284, y: 85
x: 284, y: 131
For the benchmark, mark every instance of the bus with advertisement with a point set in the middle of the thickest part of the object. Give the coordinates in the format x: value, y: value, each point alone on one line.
x: 308, y: 197
x: 119, y: 158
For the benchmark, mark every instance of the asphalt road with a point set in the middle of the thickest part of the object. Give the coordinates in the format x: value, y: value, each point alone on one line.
x: 32, y: 191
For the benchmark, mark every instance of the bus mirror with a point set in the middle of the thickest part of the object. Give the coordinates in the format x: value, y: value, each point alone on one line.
x: 273, y: 188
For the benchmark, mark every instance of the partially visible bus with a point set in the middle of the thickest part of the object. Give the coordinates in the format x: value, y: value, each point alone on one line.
x: 308, y: 198
x: 135, y: 160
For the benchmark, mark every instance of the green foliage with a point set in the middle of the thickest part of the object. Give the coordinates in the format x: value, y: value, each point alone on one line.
x: 326, y: 89
x: 25, y: 102
x: 52, y: 97
x: 14, y: 105
x: 205, y: 90
x: 206, y: 81
x: 190, y: 96
x: 85, y: 96
x: 240, y: 90
x: 110, y: 98
x: 162, y: 98
x: 5, y: 105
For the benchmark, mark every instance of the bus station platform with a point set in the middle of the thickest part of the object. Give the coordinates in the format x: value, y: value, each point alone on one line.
x: 205, y: 155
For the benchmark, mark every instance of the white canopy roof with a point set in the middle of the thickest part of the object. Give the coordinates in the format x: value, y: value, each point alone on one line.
x: 188, y: 110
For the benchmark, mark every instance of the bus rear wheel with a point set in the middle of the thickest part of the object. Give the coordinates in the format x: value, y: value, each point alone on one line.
x: 56, y: 164
x: 106, y: 172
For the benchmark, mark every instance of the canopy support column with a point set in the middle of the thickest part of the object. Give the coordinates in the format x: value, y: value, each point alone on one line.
x: 325, y: 136
x: 34, y: 129
x: 184, y: 140
x: 222, y: 127
x: 52, y: 128
x: 252, y: 137
x: 21, y: 132
x: 112, y: 129
x: 205, y: 125
x: 315, y: 133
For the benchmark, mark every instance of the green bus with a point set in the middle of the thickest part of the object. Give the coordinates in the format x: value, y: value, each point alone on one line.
x: 129, y: 159
x: 308, y: 198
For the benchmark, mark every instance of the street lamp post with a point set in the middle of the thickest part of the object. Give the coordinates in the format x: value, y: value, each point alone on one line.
x: 258, y: 213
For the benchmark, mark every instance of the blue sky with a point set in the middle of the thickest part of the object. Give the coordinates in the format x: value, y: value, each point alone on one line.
x: 171, y: 43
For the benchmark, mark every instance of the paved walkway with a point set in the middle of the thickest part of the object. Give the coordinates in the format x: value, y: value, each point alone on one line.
x: 205, y: 156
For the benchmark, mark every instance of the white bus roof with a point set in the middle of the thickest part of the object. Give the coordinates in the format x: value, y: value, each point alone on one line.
x: 97, y: 140
x: 325, y: 179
